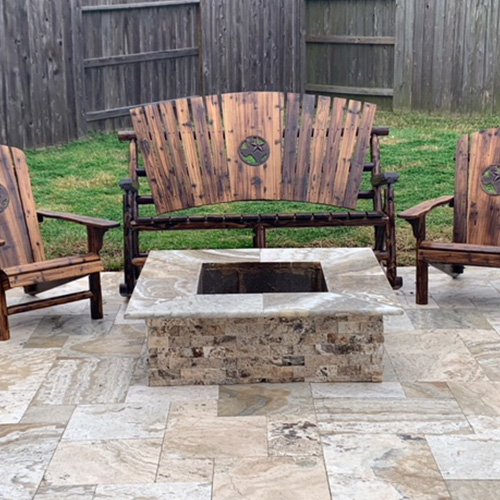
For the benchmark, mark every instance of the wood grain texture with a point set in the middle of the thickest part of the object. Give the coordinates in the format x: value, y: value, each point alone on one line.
x: 447, y: 55
x: 22, y: 256
x: 460, y: 220
x: 13, y: 224
x: 193, y: 157
x: 315, y: 147
x: 483, y: 208
x: 63, y: 78
x: 350, y: 48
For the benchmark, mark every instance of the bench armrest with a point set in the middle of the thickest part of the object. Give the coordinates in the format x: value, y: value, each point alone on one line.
x: 422, y: 209
x: 129, y: 185
x: 78, y: 219
x: 384, y: 179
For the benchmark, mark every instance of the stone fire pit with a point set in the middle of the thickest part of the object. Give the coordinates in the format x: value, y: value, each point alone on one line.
x: 263, y: 315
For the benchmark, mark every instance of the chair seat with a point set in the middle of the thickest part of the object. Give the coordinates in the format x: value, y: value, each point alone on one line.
x: 460, y: 253
x: 51, y: 270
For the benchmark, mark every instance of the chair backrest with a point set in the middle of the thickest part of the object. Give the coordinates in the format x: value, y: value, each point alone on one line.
x: 254, y: 146
x: 19, y: 226
x: 477, y: 189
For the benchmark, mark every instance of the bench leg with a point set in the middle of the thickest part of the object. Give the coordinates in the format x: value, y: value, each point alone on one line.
x: 131, y: 246
x: 391, y: 265
x: 259, y: 237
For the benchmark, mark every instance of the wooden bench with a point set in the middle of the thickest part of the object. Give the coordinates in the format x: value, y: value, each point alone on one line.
x: 200, y: 151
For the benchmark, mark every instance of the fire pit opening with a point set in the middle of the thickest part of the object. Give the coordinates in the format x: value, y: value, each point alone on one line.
x: 261, y: 277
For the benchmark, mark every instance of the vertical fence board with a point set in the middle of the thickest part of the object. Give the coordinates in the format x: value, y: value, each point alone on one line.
x: 252, y: 45
x: 3, y: 64
x: 454, y: 59
x: 350, y: 48
x: 446, y: 56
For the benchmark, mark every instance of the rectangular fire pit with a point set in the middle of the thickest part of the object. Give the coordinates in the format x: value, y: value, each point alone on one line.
x: 263, y: 315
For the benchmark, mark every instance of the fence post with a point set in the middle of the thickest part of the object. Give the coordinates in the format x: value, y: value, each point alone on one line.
x: 78, y: 70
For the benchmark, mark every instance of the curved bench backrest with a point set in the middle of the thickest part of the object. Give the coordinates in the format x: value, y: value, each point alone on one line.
x: 254, y: 146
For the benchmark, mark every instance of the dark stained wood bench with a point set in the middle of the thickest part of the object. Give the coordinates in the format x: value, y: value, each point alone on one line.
x: 200, y: 151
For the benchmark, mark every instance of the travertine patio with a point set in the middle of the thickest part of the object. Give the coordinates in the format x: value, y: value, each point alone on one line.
x: 78, y: 420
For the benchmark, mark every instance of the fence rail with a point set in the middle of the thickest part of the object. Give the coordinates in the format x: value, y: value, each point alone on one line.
x: 74, y: 65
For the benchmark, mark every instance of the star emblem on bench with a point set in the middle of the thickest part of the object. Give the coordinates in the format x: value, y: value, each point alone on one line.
x: 254, y: 151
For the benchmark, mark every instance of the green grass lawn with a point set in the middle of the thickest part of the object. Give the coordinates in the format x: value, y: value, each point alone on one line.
x: 82, y: 177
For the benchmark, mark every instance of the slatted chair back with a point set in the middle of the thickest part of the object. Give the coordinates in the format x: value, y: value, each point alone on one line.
x: 19, y: 226
x: 254, y: 146
x: 477, y: 189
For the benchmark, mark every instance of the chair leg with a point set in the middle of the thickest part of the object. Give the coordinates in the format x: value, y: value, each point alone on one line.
x: 96, y: 299
x: 4, y: 317
x: 422, y: 297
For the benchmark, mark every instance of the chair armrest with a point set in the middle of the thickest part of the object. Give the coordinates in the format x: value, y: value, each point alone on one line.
x: 129, y: 185
x: 91, y: 222
x: 384, y: 179
x: 126, y: 135
x: 425, y: 207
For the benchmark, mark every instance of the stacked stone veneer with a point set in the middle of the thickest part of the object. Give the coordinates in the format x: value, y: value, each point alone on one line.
x: 342, y: 348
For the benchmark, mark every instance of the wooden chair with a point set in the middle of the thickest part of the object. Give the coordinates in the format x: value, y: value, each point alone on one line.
x: 22, y: 256
x: 253, y: 146
x: 476, y: 235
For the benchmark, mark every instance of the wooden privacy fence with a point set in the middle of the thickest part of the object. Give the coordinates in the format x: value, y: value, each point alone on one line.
x: 74, y: 65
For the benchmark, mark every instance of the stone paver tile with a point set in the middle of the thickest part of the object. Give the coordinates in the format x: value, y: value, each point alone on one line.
x: 167, y: 491
x: 143, y: 393
x: 432, y: 356
x: 474, y: 490
x: 179, y: 410
x: 477, y: 398
x: 54, y: 330
x: 381, y: 416
x: 185, y: 470
x: 21, y: 328
x: 120, y: 341
x: 275, y: 478
x: 293, y: 436
x: 65, y: 492
x: 118, y: 421
x: 358, y: 390
x: 467, y: 457
x: 398, y: 323
x: 485, y: 347
x: 48, y: 414
x: 13, y: 405
x: 104, y: 462
x: 24, y: 369
x: 265, y: 399
x: 427, y: 390
x: 389, y: 374
x: 387, y: 466
x: 25, y: 452
x: 211, y: 437
x: 86, y: 381
x: 448, y: 319
x: 453, y: 301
